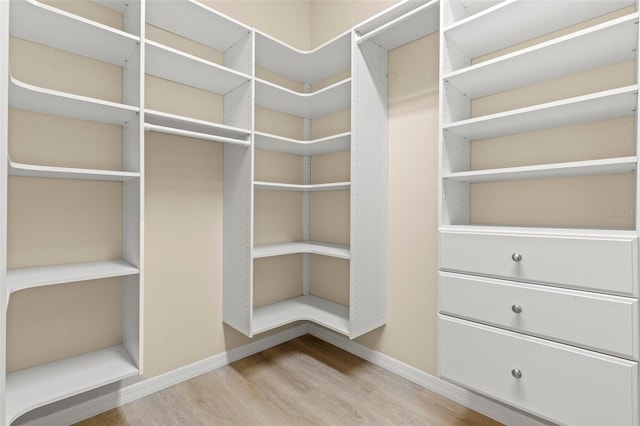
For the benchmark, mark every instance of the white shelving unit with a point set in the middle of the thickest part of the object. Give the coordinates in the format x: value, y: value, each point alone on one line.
x: 33, y: 387
x: 519, y: 263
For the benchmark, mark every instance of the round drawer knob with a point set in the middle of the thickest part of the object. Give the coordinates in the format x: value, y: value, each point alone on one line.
x: 516, y: 257
x: 516, y: 373
x: 516, y: 309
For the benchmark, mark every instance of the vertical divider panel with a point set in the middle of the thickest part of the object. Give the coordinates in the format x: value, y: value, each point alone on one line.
x: 637, y: 122
x: 368, y: 273
x: 4, y: 123
x: 306, y: 207
x: 238, y: 198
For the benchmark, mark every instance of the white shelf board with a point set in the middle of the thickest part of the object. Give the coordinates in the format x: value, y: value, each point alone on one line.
x: 24, y: 278
x: 19, y: 169
x: 304, y: 308
x: 189, y: 124
x: 391, y: 29
x: 171, y: 64
x: 604, y: 105
x: 608, y: 43
x: 307, y: 105
x: 43, y: 24
x: 515, y: 21
x: 327, y: 60
x: 312, y: 247
x: 116, y: 5
x: 328, y: 145
x: 197, y: 22
x: 37, y: 99
x: 337, y: 186
x: 588, y: 233
x: 38, y: 386
x: 557, y: 170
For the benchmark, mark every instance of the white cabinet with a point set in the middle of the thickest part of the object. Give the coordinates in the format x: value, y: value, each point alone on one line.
x: 538, y: 313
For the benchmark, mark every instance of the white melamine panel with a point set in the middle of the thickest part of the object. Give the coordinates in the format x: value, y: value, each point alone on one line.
x: 328, y: 145
x: 306, y: 105
x: 514, y: 21
x: 327, y: 60
x: 556, y: 170
x: 188, y: 124
x: 19, y: 169
x: 407, y: 22
x: 38, y: 386
x: 338, y: 186
x: 4, y: 161
x: 604, y: 264
x: 609, y: 43
x: 561, y: 383
x: 43, y: 24
x: 171, y: 64
x: 312, y: 247
x: 31, y: 98
x: 615, y: 103
x: 195, y: 21
x: 23, y: 278
x: 304, y: 308
x: 574, y: 317
x: 117, y: 5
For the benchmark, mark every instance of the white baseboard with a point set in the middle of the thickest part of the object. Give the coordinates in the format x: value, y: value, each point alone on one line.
x: 131, y: 392
x: 476, y: 402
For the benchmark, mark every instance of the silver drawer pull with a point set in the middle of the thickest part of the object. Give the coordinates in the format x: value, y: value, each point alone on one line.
x: 516, y: 373
x: 516, y: 309
x: 516, y: 257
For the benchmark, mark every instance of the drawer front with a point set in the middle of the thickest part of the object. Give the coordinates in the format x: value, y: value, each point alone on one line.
x: 607, y: 265
x: 596, y: 321
x: 557, y: 382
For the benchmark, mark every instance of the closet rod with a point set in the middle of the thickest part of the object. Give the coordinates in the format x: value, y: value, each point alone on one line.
x: 190, y: 134
x: 396, y: 21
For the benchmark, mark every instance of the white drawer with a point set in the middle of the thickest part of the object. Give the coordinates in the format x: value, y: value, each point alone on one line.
x: 600, y: 264
x: 601, y: 322
x: 558, y: 382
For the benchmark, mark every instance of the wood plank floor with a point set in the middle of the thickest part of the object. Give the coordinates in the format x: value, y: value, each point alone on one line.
x: 302, y: 382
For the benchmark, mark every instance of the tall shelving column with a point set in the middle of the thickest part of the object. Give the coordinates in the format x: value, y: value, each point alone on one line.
x: 556, y: 289
x: 42, y: 384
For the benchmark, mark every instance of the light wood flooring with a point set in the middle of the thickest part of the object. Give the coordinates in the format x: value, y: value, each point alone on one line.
x: 302, y: 382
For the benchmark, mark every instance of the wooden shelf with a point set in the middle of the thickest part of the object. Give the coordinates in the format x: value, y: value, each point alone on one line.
x: 599, y: 106
x: 304, y: 308
x: 30, y: 170
x: 328, y: 145
x: 557, y: 170
x: 311, y: 66
x: 24, y: 278
x: 337, y: 186
x: 196, y: 22
x: 307, y: 105
x: 37, y: 99
x: 311, y: 247
x: 406, y: 22
x: 38, y: 386
x: 43, y: 24
x: 608, y: 43
x: 171, y: 64
x: 164, y: 119
x: 515, y: 21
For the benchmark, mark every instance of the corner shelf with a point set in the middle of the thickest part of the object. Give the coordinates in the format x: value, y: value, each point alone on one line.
x: 65, y: 378
x: 312, y: 247
x: 556, y: 170
x: 30, y: 170
x: 616, y: 40
x: 310, y: 308
x: 171, y: 64
x: 37, y: 99
x: 43, y: 24
x: 307, y: 105
x: 516, y: 21
x: 328, y: 145
x: 604, y: 105
x: 338, y: 186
